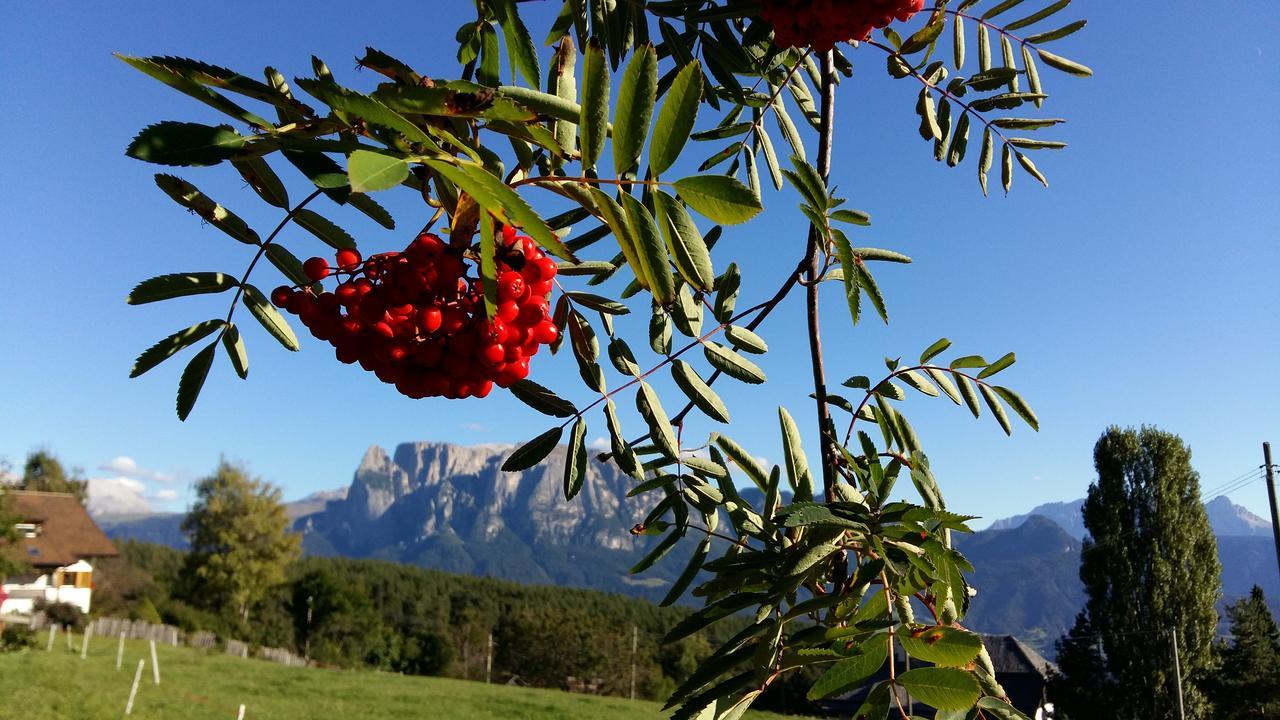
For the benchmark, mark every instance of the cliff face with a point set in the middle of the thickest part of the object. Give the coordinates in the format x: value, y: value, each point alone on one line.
x: 429, y: 490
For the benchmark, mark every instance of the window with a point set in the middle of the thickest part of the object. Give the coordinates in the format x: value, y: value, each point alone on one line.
x: 28, y: 530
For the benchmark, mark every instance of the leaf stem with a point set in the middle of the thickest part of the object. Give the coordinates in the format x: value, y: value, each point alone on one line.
x: 812, y: 269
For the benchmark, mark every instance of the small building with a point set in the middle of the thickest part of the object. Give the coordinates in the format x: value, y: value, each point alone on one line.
x: 57, y: 538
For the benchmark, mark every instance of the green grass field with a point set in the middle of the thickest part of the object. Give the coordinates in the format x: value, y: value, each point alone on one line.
x: 40, y: 685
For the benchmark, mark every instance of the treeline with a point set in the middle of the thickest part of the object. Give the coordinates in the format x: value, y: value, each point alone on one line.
x: 374, y: 614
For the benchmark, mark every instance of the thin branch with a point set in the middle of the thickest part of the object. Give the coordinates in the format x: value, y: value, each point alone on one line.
x: 811, y: 263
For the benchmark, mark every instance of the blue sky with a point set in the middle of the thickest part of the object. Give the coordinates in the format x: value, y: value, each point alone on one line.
x: 1141, y: 288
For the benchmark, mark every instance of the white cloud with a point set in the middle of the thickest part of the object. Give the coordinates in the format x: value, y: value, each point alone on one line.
x: 128, y: 467
x: 166, y: 495
x: 599, y: 444
x: 117, y: 496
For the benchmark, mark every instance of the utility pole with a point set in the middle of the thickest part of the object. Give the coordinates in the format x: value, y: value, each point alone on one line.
x: 1271, y: 493
x: 635, y: 643
x: 1177, y: 671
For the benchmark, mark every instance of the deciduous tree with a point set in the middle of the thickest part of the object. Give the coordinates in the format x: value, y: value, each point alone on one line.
x: 45, y: 473
x: 240, y: 540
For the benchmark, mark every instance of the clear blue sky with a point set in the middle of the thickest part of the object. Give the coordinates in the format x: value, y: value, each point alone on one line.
x: 1141, y: 288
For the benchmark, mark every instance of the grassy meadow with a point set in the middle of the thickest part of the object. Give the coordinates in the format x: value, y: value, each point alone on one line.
x: 195, y: 685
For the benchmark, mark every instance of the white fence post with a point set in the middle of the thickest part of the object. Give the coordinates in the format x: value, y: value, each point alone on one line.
x: 155, y: 664
x: 240, y: 715
x: 53, y: 631
x: 120, y: 651
x: 133, y: 691
x: 84, y: 643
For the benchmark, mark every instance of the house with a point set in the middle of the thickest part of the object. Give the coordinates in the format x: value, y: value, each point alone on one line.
x: 1020, y: 670
x: 58, y: 540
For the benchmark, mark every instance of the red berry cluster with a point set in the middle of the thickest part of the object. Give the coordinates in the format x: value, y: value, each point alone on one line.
x: 417, y: 320
x: 823, y: 23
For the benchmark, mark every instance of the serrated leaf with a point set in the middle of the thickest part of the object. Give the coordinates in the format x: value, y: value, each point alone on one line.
x: 1019, y: 406
x: 264, y: 181
x: 371, y: 171
x: 852, y: 671
x: 521, y: 51
x: 542, y: 399
x: 854, y: 217
x: 721, y: 198
x: 797, y: 463
x: 997, y: 409
x: 868, y: 284
x: 575, y: 460
x: 533, y: 452
x: 364, y: 107
x: 684, y: 241
x: 940, y: 645
x: 271, y: 319
x: 675, y: 120
x: 236, y: 352
x: 167, y: 287
x: 599, y: 303
x: 744, y: 460
x: 848, y: 263
x: 593, y: 123
x: 699, y: 392
x: 175, y: 343
x: 732, y: 364
x: 650, y: 250
x: 942, y: 688
x: 995, y: 367
x: 185, y: 144
x: 289, y: 265
x: 1000, y: 710
x: 496, y: 196
x: 190, y: 197
x: 192, y: 380
x: 727, y: 289
x: 744, y: 340
x: 660, y: 430
x: 636, y: 97
x: 323, y: 228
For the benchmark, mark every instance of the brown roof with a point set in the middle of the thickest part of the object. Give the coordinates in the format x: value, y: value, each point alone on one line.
x: 67, y: 533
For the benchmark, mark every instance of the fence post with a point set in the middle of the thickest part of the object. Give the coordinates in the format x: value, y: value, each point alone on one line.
x: 84, y: 644
x: 133, y: 691
x: 155, y: 664
x: 53, y: 631
x: 240, y: 715
x: 120, y: 651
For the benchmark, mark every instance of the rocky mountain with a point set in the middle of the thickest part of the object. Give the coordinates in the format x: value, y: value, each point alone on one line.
x: 451, y: 508
x: 1225, y: 517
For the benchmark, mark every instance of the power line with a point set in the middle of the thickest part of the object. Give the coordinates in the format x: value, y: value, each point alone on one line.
x: 1247, y: 474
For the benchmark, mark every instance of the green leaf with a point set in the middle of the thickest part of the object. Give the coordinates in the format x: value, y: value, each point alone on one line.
x: 542, y: 399
x: 190, y: 77
x: 594, y: 121
x: 698, y: 391
x: 968, y: 394
x: 745, y: 340
x: 497, y: 197
x: 166, y: 287
x: 616, y: 218
x: 534, y: 451
x: 1056, y: 34
x: 732, y: 364
x: 650, y: 250
x: 564, y: 84
x: 1057, y: 62
x: 721, y: 198
x: 675, y: 121
x: 684, y: 241
x: 271, y: 319
x: 289, y: 265
x: 940, y: 645
x: 942, y: 688
x: 172, y: 345
x: 1000, y: 710
x: 727, y: 293
x: 868, y: 284
x: 575, y: 460
x: 660, y: 430
x: 934, y: 350
x: 263, y: 180
x: 852, y: 671
x: 848, y: 263
x: 636, y: 97
x: 192, y: 380
x: 236, y: 352
x: 1019, y: 406
x: 371, y: 171
x: 997, y: 409
x: 744, y: 460
x: 957, y: 41
x: 1031, y: 168
x: 521, y: 51
x: 598, y: 303
x: 690, y: 572
x: 364, y: 107
x: 190, y: 197
x: 997, y: 366
x: 323, y: 228
x: 798, y: 473
x: 855, y: 217
x: 185, y: 144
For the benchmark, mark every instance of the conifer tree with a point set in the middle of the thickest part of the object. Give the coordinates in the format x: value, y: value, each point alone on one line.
x: 1150, y: 569
x: 1248, y: 684
x: 45, y: 473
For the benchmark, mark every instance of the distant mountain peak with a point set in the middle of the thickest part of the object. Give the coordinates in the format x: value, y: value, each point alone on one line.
x: 1225, y: 517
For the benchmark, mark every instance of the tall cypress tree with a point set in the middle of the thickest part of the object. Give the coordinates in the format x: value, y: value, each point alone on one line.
x: 1150, y: 568
x: 1248, y: 684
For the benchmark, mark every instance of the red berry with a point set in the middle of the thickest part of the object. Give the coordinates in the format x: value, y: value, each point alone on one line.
x: 348, y: 258
x: 511, y: 285
x: 280, y: 296
x: 316, y: 268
